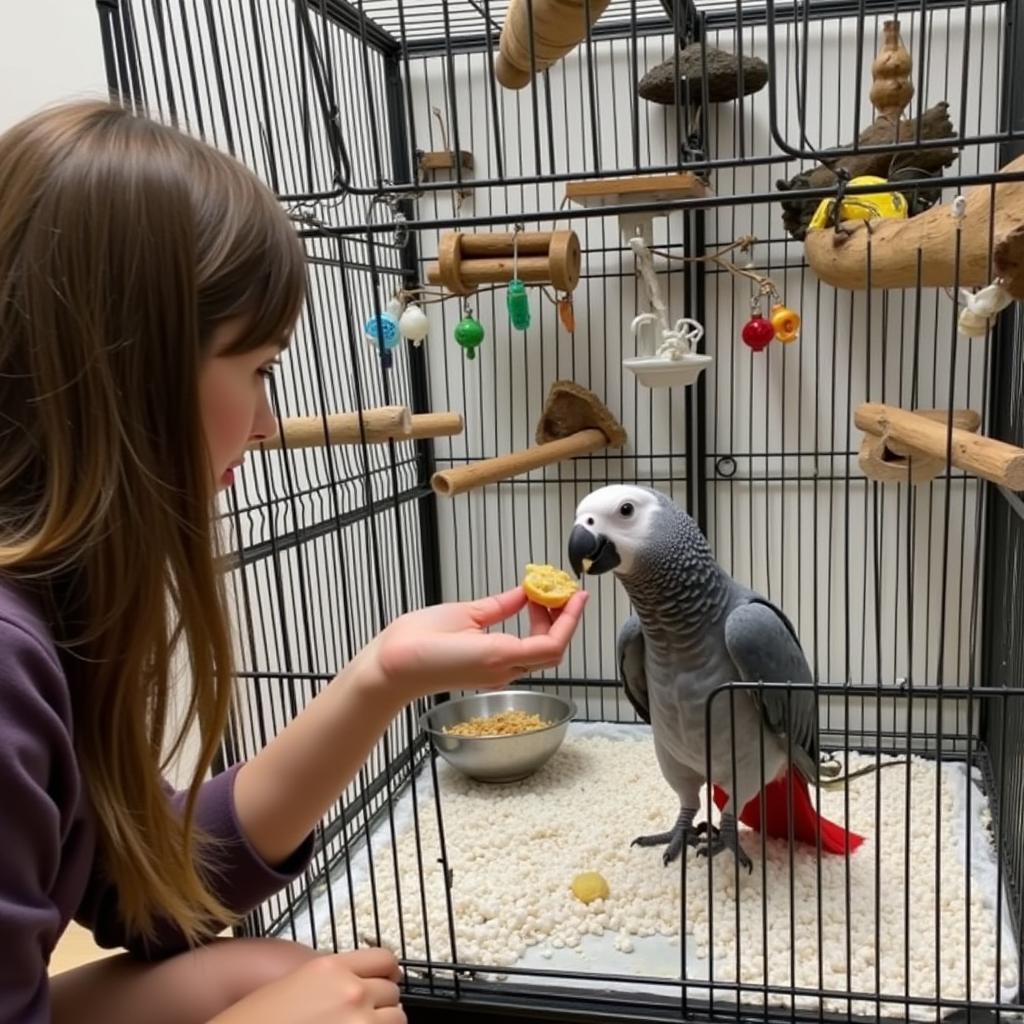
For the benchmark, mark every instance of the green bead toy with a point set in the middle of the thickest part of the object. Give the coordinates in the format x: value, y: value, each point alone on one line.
x: 518, y: 305
x: 469, y: 333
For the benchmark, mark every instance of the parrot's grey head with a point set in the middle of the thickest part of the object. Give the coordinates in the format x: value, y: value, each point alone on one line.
x: 613, y: 526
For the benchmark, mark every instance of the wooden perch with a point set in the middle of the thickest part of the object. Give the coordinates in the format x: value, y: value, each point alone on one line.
x: 841, y: 258
x: 445, y: 160
x: 574, y: 422
x: 881, y: 463
x: 913, y: 433
x: 450, y: 482
x: 392, y: 422
x: 559, y: 26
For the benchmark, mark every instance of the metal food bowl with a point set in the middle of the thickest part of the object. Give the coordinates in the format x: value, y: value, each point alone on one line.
x: 499, y: 758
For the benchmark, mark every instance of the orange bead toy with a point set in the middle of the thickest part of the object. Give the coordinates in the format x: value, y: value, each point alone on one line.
x: 786, y: 323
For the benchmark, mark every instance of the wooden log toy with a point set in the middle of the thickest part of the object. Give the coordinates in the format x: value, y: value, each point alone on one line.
x: 992, y: 212
x: 911, y: 433
x: 391, y: 422
x: 558, y: 27
x: 466, y: 261
x: 574, y: 422
x: 881, y: 463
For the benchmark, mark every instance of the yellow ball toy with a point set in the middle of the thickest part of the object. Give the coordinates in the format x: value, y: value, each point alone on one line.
x: 868, y: 206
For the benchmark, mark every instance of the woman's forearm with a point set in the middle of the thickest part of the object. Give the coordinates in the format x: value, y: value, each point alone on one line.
x: 282, y: 792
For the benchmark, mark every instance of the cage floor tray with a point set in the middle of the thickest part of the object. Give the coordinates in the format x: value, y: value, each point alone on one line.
x: 639, y: 188
x: 653, y: 372
x: 513, y: 850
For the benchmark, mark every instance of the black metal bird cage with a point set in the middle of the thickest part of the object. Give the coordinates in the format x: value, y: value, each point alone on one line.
x: 724, y: 146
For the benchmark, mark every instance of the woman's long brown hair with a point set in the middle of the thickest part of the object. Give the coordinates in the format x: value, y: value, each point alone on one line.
x: 123, y: 244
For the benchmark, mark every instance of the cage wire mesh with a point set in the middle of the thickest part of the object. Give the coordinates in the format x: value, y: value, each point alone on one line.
x: 907, y: 599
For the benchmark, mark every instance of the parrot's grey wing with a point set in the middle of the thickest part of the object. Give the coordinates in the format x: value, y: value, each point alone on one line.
x: 629, y: 650
x: 764, y: 648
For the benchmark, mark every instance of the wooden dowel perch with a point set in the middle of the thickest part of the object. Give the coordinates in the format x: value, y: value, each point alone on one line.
x: 450, y: 482
x: 841, y: 258
x: 435, y: 424
x: 574, y: 422
x: 559, y: 26
x: 392, y: 422
x: 913, y: 433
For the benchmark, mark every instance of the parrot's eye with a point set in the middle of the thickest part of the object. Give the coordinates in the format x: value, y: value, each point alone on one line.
x: 626, y: 509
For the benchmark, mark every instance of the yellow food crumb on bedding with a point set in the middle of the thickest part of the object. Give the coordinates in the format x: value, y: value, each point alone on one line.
x: 589, y: 886
x: 505, y: 723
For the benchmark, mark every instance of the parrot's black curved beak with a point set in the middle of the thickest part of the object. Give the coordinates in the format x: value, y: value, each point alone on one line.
x: 591, y: 553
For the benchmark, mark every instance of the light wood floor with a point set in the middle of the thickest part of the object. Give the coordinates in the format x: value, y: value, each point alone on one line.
x: 74, y: 949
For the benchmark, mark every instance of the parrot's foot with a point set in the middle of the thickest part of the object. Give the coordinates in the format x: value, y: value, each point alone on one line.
x: 682, y: 834
x: 726, y: 839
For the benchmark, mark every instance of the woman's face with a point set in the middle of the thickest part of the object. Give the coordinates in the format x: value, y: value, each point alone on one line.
x: 233, y: 398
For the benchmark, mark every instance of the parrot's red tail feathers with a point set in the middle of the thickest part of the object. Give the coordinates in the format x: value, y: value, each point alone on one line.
x: 807, y: 823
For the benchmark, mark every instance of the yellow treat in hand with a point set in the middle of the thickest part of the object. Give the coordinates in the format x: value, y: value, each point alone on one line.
x: 546, y: 585
x: 589, y: 886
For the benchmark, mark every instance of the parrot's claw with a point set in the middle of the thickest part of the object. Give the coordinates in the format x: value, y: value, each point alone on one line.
x: 679, y: 836
x: 726, y: 839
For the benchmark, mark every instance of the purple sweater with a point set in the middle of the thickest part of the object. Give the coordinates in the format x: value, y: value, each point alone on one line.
x: 49, y: 870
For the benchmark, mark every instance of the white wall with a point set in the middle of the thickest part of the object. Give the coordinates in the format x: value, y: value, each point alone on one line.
x: 49, y: 50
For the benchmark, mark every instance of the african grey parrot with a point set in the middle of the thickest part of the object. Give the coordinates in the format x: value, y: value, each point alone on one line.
x: 695, y: 630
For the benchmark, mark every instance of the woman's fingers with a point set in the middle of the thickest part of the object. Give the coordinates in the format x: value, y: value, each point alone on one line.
x: 381, y: 993
x: 540, y: 619
x: 489, y: 611
x: 372, y: 962
x: 545, y: 648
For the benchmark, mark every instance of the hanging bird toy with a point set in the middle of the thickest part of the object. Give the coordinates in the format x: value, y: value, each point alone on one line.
x: 469, y: 333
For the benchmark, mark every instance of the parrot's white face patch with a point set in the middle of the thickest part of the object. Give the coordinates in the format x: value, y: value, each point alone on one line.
x: 621, y: 514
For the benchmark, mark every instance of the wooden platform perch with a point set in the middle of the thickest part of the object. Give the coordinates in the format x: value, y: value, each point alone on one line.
x: 921, y: 435
x: 390, y: 422
x: 841, y: 258
x: 638, y: 188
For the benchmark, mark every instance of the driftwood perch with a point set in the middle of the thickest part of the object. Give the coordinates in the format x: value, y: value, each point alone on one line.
x: 574, y: 422
x: 390, y: 422
x: 841, y: 259
x: 918, y: 435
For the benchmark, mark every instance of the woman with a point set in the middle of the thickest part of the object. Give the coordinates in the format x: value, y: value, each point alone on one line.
x: 147, y: 286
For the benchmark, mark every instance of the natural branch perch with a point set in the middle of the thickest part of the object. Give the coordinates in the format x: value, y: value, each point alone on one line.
x: 392, y: 422
x: 841, y: 258
x: 910, y: 432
